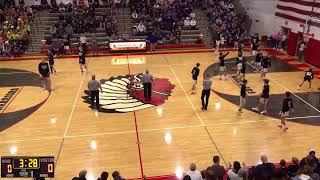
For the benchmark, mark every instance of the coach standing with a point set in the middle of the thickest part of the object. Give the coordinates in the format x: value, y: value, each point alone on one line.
x: 206, y: 92
x: 94, y: 86
x: 147, y: 85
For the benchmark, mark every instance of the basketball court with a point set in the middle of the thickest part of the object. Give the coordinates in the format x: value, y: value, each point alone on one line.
x: 154, y: 140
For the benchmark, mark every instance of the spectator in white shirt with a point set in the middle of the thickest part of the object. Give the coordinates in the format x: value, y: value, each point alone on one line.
x: 233, y: 173
x: 193, y: 24
x: 134, y: 16
x: 187, y: 23
x: 194, y: 175
x: 141, y: 28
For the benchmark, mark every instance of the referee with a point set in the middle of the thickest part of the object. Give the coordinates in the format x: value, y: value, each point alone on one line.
x: 206, y: 92
x: 147, y: 85
x: 94, y: 86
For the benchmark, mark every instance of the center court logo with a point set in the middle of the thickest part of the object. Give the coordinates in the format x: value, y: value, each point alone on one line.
x: 125, y: 93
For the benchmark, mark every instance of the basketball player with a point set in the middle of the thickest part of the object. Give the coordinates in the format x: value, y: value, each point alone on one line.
x: 254, y: 45
x: 266, y: 64
x: 243, y: 70
x: 195, y: 73
x: 218, y: 41
x: 147, y: 85
x: 44, y: 71
x: 206, y: 92
x: 239, y: 64
x: 263, y: 98
x: 223, y: 69
x: 243, y: 94
x: 51, y: 55
x: 82, y: 60
x: 259, y: 58
x: 287, y: 106
x: 307, y: 77
x: 222, y: 41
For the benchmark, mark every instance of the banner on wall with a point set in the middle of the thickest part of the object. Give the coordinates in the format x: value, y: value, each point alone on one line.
x: 128, y: 46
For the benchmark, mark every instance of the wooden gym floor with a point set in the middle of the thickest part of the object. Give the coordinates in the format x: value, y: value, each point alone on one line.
x: 156, y: 141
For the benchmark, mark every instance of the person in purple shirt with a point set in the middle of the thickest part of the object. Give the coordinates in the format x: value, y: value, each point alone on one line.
x: 153, y: 39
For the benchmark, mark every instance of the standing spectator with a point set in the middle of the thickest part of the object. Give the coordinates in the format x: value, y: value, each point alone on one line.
x: 141, y: 28
x: 263, y: 171
x: 194, y: 175
x: 216, y: 169
x: 93, y: 87
x: 153, y: 39
x: 300, y: 52
x: 147, y: 85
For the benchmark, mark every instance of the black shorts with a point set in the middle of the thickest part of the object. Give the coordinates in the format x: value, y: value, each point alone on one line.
x: 51, y: 63
x: 45, y: 75
x: 82, y: 62
x: 307, y: 79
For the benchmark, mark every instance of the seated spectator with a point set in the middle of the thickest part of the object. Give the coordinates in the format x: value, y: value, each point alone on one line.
x: 216, y: 169
x: 265, y: 170
x: 116, y: 176
x: 233, y: 173
x: 53, y: 30
x: 193, y: 24
x: 141, y: 28
x: 293, y: 168
x: 194, y: 175
x: 104, y: 176
x: 82, y: 175
x: 187, y: 23
x: 283, y: 169
x: 303, y: 174
x: 134, y: 16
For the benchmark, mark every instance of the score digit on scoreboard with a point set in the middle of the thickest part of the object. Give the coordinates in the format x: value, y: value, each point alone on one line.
x: 22, y: 166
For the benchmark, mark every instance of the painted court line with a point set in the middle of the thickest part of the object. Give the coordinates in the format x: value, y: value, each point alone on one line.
x: 288, y: 90
x: 133, y: 131
x: 303, y: 117
x: 193, y: 107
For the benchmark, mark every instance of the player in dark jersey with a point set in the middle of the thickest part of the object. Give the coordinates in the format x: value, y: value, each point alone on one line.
x: 243, y: 70
x: 223, y: 69
x: 195, y: 73
x: 240, y: 49
x: 51, y: 55
x: 218, y: 41
x: 44, y: 72
x: 239, y: 64
x: 259, y: 58
x: 264, y: 97
x: 82, y: 60
x: 307, y: 77
x: 254, y: 45
x: 287, y: 107
x: 243, y: 95
x: 266, y: 65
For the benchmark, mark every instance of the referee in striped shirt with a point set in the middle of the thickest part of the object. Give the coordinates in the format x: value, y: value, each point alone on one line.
x: 206, y: 92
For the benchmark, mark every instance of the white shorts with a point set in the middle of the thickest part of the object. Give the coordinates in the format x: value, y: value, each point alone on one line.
x: 239, y: 66
x: 254, y: 52
x: 223, y: 68
x: 194, y: 82
x: 265, y: 70
x: 284, y: 114
x: 242, y: 100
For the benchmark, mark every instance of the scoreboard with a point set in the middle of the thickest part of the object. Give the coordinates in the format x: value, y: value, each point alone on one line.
x: 22, y: 166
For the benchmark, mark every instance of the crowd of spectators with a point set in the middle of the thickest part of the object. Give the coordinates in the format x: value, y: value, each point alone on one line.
x: 226, y: 25
x: 308, y: 168
x: 164, y: 18
x: 14, y: 29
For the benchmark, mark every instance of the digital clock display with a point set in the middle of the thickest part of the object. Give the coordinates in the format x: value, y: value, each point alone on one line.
x: 17, y: 166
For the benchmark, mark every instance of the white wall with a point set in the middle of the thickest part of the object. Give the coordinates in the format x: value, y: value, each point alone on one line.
x: 263, y: 11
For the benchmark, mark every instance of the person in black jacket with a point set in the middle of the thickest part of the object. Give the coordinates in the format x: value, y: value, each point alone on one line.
x: 243, y: 95
x: 195, y: 73
x: 287, y: 107
x: 264, y: 98
x: 82, y: 60
x: 44, y: 72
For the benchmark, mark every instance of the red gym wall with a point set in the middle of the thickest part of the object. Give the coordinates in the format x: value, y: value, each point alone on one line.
x: 312, y: 53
